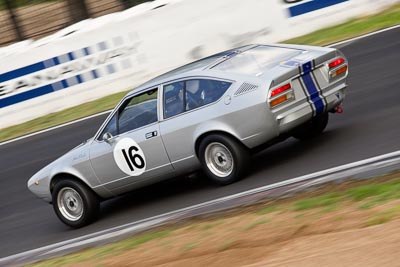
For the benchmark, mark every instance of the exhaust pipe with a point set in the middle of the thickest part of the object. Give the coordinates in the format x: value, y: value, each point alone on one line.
x: 338, y: 109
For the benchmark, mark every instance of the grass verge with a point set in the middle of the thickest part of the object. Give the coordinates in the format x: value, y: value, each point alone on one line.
x: 102, y: 252
x: 261, y: 226
x: 352, y: 28
x: 57, y: 118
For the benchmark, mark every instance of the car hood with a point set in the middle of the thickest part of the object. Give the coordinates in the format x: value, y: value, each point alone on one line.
x: 77, y: 153
x: 73, y: 154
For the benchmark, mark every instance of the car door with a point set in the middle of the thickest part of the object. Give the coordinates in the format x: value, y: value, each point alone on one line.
x: 133, y: 151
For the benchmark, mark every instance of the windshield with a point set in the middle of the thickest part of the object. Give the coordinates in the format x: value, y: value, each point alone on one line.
x: 257, y: 60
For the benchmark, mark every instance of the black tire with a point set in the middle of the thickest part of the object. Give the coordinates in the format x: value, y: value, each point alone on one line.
x: 239, y: 156
x: 90, y: 203
x: 313, y: 128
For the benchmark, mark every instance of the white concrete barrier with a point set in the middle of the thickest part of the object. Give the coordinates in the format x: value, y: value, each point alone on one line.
x: 101, y: 56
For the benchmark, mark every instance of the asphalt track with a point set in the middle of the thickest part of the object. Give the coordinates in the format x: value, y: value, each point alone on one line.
x: 370, y: 126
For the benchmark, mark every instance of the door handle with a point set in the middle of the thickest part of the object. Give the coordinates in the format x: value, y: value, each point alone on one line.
x: 151, y: 134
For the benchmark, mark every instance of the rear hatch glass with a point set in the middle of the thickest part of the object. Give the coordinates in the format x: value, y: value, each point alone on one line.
x: 256, y: 60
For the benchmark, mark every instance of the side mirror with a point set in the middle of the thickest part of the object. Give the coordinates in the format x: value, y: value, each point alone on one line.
x: 107, y: 137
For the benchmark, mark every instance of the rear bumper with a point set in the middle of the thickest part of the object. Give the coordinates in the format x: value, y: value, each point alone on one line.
x: 300, y: 114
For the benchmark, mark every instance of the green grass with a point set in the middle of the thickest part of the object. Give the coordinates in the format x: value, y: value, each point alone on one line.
x: 378, y: 220
x: 325, y: 201
x: 134, y: 242
x: 383, y: 217
x: 325, y: 36
x: 330, y: 208
x: 101, y: 252
x: 370, y: 195
x: 266, y: 210
x: 351, y: 28
x: 374, y: 194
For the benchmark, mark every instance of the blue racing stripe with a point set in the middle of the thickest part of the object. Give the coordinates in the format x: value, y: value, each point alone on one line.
x: 314, y: 95
x: 312, y: 89
x: 312, y: 6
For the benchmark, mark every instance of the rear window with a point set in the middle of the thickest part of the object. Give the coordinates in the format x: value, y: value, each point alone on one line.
x: 257, y: 60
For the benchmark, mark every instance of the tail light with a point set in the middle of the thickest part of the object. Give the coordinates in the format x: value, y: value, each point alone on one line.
x: 280, y: 95
x: 339, y: 71
x: 337, y: 67
x: 336, y: 62
x: 280, y: 90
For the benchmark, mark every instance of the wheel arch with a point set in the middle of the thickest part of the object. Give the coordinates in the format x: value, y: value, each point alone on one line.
x: 67, y: 176
x: 216, y: 132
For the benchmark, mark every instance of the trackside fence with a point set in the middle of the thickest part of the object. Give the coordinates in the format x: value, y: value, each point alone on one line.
x: 33, y: 19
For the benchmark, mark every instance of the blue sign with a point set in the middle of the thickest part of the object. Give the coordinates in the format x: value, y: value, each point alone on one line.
x: 63, y: 72
x: 303, y: 8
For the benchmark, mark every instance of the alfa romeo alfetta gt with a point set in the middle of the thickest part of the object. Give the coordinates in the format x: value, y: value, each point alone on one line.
x: 211, y: 114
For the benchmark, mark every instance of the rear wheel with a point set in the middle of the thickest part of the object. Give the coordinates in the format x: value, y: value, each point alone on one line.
x: 223, y: 159
x: 313, y: 128
x: 74, y: 203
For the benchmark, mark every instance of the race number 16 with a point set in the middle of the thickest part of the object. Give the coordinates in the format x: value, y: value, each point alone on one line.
x: 132, y: 159
x: 129, y: 157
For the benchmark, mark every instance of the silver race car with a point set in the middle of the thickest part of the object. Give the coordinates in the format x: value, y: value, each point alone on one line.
x: 210, y: 114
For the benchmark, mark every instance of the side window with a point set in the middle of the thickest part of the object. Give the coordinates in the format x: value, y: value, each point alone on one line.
x: 173, y: 99
x: 133, y: 113
x: 200, y: 92
x: 137, y: 112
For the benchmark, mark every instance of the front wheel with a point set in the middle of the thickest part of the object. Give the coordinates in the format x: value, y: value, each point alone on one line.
x: 224, y: 160
x: 74, y: 203
x: 312, y: 128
